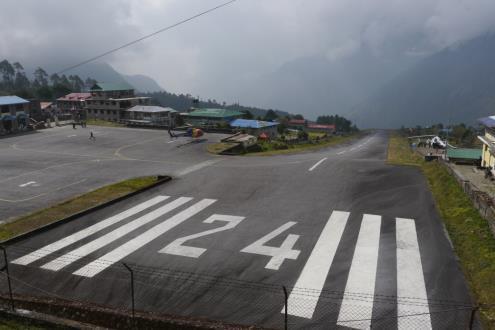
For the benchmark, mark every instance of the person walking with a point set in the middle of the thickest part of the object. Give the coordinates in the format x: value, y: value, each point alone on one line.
x: 92, y: 136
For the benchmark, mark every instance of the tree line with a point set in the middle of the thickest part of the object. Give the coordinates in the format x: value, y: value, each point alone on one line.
x: 15, y: 81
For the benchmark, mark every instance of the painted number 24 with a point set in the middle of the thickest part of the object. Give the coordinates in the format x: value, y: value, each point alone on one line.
x: 277, y: 254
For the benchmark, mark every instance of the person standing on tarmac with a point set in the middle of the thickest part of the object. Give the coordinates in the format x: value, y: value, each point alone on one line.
x: 92, y: 136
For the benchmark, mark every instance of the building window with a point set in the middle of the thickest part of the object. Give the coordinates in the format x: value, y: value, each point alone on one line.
x: 5, y: 108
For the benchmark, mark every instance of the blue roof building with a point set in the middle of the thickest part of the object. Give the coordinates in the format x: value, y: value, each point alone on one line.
x: 255, y: 127
x: 13, y: 114
x: 12, y: 100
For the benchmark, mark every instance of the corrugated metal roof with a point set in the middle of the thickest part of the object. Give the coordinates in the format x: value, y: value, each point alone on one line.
x: 150, y: 108
x: 75, y: 97
x: 464, y: 153
x: 214, y: 113
x: 12, y: 99
x: 249, y: 123
x: 105, y: 87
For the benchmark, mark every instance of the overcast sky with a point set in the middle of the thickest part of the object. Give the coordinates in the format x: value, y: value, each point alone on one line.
x: 243, y: 41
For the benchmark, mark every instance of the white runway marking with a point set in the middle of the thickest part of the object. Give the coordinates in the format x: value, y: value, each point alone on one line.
x: 136, y: 243
x: 277, y: 254
x: 315, y: 271
x: 198, y: 166
x: 73, y: 135
x: 342, y: 152
x: 362, y: 276
x: 172, y: 141
x: 318, y: 163
x: 177, y: 247
x: 27, y: 184
x: 66, y: 241
x: 110, y: 237
x: 410, y: 280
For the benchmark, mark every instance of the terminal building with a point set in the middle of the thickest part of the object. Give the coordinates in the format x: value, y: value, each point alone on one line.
x: 109, y: 101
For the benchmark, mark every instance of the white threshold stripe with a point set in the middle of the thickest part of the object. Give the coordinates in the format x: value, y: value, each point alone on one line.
x: 315, y: 271
x: 110, y: 237
x: 362, y: 276
x: 318, y: 163
x: 136, y: 243
x: 66, y: 241
x: 410, y: 278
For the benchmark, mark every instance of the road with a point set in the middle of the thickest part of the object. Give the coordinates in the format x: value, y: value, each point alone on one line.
x: 355, y: 241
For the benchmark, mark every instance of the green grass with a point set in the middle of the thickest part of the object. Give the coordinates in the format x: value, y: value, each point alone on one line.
x: 473, y: 241
x: 270, y: 148
x: 106, y: 123
x: 72, y: 206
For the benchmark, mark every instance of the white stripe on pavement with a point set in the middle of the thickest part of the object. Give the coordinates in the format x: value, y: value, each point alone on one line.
x: 136, y: 243
x: 315, y: 165
x: 314, y: 273
x: 108, y: 238
x: 27, y: 184
x: 198, y: 166
x: 410, y: 278
x: 362, y: 276
x: 342, y: 152
x: 66, y: 241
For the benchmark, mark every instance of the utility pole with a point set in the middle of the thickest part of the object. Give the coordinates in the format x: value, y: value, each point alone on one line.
x: 6, y: 269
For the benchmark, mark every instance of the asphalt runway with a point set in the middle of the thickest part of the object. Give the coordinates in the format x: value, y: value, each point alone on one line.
x: 357, y: 243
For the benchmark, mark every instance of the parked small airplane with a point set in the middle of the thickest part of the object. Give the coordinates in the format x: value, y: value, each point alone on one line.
x: 432, y: 141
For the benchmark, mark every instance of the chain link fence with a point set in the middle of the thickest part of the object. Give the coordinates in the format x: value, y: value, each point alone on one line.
x: 149, y: 297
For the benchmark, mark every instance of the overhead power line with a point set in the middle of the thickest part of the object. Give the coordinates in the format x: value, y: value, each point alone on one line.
x: 146, y: 36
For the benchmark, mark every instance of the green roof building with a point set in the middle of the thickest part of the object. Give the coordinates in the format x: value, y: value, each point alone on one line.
x: 210, y: 117
x: 464, y: 155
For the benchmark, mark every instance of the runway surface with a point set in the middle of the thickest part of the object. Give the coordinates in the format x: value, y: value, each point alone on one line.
x: 356, y: 242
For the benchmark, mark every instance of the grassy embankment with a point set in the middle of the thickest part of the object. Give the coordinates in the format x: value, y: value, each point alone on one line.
x: 106, y: 123
x: 316, y: 141
x: 72, y: 206
x: 470, y: 234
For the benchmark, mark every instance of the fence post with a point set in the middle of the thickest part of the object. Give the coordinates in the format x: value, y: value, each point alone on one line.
x: 132, y: 290
x: 473, y: 315
x: 286, y: 303
x: 6, y: 268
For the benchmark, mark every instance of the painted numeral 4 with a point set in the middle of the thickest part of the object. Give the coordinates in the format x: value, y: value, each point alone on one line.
x: 277, y: 254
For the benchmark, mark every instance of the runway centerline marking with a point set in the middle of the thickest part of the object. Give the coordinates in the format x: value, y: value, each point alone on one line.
x: 68, y: 240
x: 27, y: 184
x: 198, y: 166
x: 315, y: 271
x: 410, y: 278
x: 362, y: 276
x: 100, y: 264
x: 318, y: 163
x: 110, y: 237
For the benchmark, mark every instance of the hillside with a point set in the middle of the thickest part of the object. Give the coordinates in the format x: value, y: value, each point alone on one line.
x: 451, y: 86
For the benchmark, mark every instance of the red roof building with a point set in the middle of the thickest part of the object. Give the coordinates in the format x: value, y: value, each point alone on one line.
x: 73, y: 101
